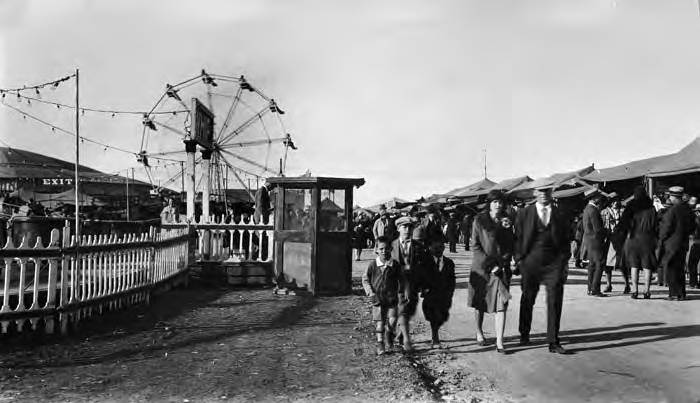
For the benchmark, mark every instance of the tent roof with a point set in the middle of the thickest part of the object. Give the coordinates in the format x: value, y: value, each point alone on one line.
x: 507, y: 184
x: 686, y: 160
x: 18, y: 163
x: 393, y: 202
x: 525, y: 189
x: 469, y: 189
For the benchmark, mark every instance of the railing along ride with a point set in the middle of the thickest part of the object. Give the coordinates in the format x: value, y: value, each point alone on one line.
x: 234, y: 242
x: 66, y: 283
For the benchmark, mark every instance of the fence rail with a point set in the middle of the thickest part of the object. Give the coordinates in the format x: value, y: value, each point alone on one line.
x: 240, y: 242
x: 66, y: 282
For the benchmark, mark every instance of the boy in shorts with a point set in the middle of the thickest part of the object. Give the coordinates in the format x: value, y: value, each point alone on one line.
x: 384, y: 283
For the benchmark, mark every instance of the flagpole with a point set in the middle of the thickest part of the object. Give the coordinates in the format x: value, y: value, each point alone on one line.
x: 77, y: 157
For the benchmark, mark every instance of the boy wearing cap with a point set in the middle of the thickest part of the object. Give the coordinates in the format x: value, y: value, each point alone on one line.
x: 676, y: 226
x: 409, y: 253
x: 384, y: 284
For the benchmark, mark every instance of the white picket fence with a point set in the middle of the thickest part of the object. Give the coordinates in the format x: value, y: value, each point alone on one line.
x: 64, y: 282
x: 244, y: 242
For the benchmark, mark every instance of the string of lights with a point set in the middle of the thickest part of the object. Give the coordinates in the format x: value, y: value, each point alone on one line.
x: 55, y: 128
x: 52, y: 84
x: 113, y: 112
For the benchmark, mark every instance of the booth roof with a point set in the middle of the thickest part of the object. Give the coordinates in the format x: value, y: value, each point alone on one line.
x: 391, y: 203
x: 552, y: 180
x: 687, y: 160
x: 469, y: 189
x: 18, y: 163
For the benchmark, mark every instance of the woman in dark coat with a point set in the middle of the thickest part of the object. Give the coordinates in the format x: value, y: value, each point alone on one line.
x: 492, y: 242
x: 639, y: 223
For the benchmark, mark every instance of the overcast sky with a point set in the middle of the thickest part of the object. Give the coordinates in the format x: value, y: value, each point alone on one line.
x: 405, y: 94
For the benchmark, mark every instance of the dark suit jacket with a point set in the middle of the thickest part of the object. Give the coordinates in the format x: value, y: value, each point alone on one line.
x: 676, y: 226
x: 398, y: 255
x: 593, y: 233
x: 526, y: 232
x: 440, y: 284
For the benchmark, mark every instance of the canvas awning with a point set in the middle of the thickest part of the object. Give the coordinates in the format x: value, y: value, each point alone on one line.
x: 470, y: 189
x: 525, y: 189
x: 687, y: 160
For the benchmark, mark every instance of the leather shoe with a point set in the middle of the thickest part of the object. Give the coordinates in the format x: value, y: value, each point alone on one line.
x: 608, y: 289
x: 524, y: 340
x: 501, y: 350
x: 598, y: 294
x: 673, y: 298
x: 557, y: 348
x: 627, y: 290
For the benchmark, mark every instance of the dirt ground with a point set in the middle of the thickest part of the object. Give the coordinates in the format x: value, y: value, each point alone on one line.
x: 215, y: 344
x: 207, y: 343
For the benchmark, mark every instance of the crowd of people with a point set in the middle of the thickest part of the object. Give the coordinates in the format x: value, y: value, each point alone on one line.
x: 535, y: 242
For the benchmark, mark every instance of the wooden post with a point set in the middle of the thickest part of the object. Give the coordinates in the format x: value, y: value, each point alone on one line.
x: 650, y: 187
x: 206, y: 175
x: 190, y: 148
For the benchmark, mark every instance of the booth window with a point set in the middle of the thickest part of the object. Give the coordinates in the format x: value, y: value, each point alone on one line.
x: 332, y: 216
x: 297, y: 209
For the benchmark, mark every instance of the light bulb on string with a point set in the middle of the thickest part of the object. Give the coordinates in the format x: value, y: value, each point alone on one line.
x: 38, y: 94
x: 19, y: 97
x: 83, y: 112
x: 58, y: 106
x: 53, y: 129
x: 54, y: 85
x: 113, y: 114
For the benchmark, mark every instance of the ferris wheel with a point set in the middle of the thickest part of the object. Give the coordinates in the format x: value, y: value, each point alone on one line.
x: 238, y: 129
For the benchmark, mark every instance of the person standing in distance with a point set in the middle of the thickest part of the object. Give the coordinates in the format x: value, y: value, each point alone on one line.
x: 676, y: 227
x: 593, y: 240
x: 542, y: 255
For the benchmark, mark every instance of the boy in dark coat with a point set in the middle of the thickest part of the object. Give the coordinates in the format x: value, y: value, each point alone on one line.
x: 438, y: 290
x: 384, y: 284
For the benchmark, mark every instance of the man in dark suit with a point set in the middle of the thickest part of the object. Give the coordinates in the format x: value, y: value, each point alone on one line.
x: 262, y: 204
x: 593, y: 240
x: 677, y: 225
x: 542, y: 253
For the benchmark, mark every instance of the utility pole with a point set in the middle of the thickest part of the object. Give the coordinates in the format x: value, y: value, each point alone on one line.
x: 485, y: 176
x: 77, y: 157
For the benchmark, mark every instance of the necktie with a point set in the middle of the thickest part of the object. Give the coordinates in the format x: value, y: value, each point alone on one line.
x: 545, y: 215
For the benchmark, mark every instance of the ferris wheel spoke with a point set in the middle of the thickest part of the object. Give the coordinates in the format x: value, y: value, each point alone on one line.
x: 249, y: 161
x: 240, y: 180
x: 251, y: 143
x: 235, y: 168
x: 245, y: 124
x: 230, y: 113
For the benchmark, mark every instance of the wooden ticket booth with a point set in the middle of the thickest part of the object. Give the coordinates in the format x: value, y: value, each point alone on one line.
x: 313, y: 233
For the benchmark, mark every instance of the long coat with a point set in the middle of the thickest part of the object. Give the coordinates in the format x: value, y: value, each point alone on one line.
x: 593, y: 234
x: 676, y: 226
x: 493, y: 246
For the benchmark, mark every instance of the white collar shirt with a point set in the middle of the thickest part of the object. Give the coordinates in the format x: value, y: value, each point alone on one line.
x: 544, y: 212
x: 382, y: 265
